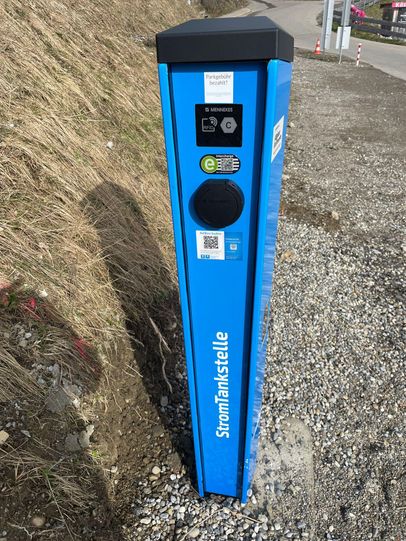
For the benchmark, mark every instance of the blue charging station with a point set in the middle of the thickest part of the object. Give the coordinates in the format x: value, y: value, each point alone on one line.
x: 225, y: 86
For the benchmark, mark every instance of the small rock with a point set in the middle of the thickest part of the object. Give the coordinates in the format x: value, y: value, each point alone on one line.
x: 156, y: 470
x: 84, y: 436
x: 279, y: 486
x: 194, y: 533
x: 114, y: 469
x: 164, y: 401
x: 26, y: 433
x: 277, y: 526
x: 4, y: 436
x: 43, y: 294
x: 72, y: 443
x: 157, y: 431
x: 58, y: 400
x: 71, y: 388
x: 174, y: 462
x: 110, y: 145
x: 288, y: 256
x: 335, y: 215
x: 146, y: 520
x: 38, y: 521
x: 55, y: 370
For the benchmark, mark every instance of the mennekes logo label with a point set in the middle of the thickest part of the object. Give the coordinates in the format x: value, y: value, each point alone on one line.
x: 222, y: 398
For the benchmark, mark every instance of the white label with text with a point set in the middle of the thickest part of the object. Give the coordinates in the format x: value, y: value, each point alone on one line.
x: 210, y: 245
x: 277, y: 138
x: 219, y: 86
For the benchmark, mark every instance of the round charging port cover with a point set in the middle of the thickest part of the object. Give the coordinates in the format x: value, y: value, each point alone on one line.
x: 218, y: 203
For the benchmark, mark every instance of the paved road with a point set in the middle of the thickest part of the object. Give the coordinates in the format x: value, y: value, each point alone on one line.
x: 299, y: 18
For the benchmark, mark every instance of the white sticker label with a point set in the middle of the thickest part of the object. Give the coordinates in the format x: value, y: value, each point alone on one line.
x: 219, y: 87
x: 210, y: 245
x: 277, y: 138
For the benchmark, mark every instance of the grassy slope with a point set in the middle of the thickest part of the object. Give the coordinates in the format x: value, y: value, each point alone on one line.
x: 85, y: 233
x: 219, y: 7
x: 374, y: 12
x: 72, y: 79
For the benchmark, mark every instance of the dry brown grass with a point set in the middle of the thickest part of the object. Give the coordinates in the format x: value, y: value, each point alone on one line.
x: 75, y: 74
x: 15, y: 381
x: 220, y: 7
x: 68, y: 85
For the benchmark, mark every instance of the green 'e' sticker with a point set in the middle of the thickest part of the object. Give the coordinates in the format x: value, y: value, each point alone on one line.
x: 220, y: 164
x: 209, y: 164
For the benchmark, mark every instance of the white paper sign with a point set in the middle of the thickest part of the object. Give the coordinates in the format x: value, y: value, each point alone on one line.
x: 346, y: 37
x: 219, y: 87
x: 210, y: 245
x: 277, y: 138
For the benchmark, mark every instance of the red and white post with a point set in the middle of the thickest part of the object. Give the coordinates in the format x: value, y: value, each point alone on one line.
x: 359, y: 53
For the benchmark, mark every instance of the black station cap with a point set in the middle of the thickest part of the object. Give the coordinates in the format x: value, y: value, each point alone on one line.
x: 224, y: 40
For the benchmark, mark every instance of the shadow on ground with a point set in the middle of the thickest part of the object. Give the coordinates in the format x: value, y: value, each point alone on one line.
x: 145, y: 418
x: 149, y: 299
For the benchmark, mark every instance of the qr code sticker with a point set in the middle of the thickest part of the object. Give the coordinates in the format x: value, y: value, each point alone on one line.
x: 227, y: 164
x: 210, y: 242
x: 210, y: 245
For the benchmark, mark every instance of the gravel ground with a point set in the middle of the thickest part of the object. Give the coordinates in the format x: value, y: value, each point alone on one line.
x: 332, y: 462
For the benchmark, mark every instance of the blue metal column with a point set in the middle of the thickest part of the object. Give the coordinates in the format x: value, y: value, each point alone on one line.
x: 220, y: 290
x: 276, y: 118
x: 225, y: 87
x: 180, y: 259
